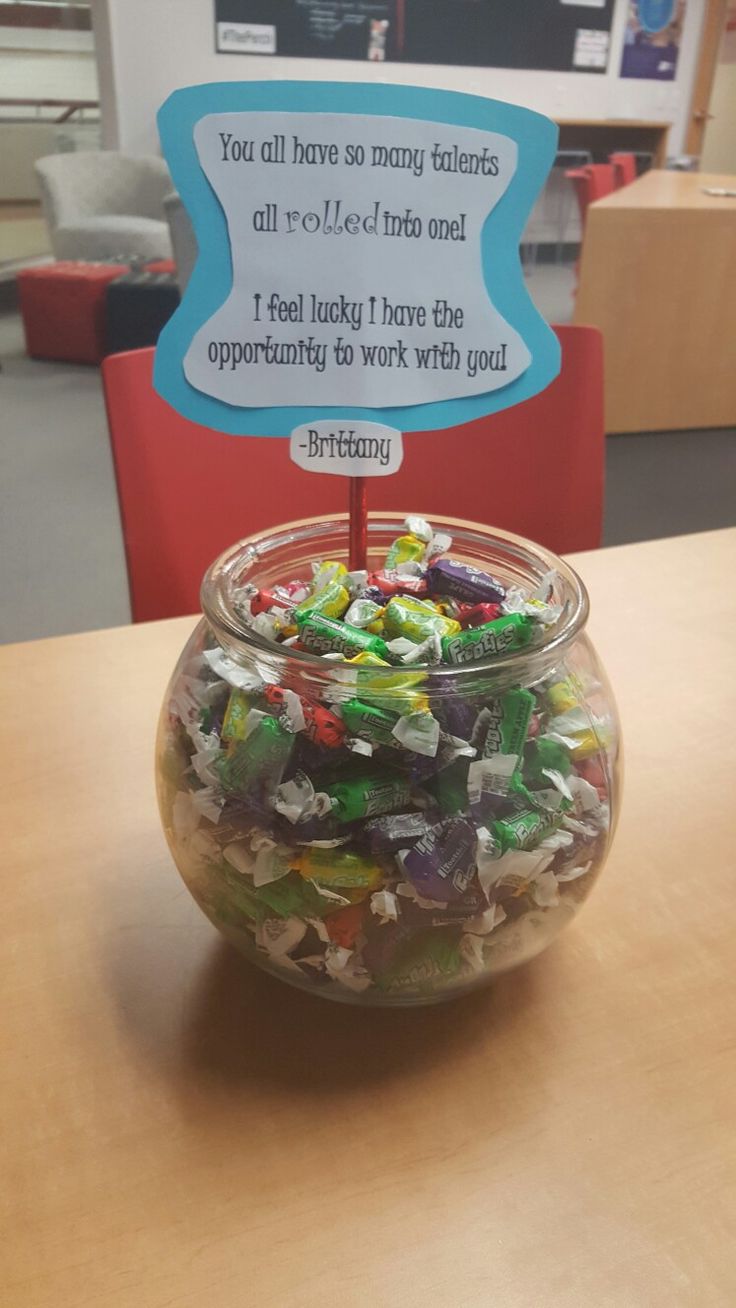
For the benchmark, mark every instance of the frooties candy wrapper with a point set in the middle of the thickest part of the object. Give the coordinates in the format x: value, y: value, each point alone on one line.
x: 391, y: 830
x: 442, y: 863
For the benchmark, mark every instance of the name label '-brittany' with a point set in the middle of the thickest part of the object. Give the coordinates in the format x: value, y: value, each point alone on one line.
x: 359, y: 449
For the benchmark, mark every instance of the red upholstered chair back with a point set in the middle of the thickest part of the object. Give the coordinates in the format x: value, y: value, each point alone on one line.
x: 186, y: 492
x: 624, y: 168
x: 592, y: 182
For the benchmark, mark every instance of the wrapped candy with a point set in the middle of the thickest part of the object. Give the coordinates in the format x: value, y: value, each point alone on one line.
x: 381, y: 833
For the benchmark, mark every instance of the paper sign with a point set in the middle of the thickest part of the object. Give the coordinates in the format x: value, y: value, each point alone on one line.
x: 358, y: 257
x: 359, y: 449
x: 333, y: 221
x: 246, y: 38
x: 591, y: 48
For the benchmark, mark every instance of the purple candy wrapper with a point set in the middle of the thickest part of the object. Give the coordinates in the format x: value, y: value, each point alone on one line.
x: 458, y: 715
x: 462, y: 582
x: 441, y: 865
x: 373, y: 593
x: 395, y: 831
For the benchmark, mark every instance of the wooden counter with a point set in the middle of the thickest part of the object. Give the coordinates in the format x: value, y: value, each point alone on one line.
x: 180, y: 1130
x: 658, y: 276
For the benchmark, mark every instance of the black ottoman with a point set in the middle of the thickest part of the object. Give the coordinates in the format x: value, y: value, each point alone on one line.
x: 137, y: 305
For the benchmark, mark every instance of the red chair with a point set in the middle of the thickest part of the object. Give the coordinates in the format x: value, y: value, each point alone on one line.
x: 593, y: 182
x: 624, y: 169
x: 187, y: 492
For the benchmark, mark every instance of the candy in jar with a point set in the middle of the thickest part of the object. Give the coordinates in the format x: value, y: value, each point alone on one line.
x: 388, y: 787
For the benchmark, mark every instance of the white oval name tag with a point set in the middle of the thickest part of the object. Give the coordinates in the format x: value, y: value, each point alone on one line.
x: 347, y: 449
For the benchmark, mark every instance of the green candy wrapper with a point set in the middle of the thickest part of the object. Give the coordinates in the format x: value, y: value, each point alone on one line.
x: 258, y: 760
x: 330, y: 602
x: 541, y: 754
x: 232, y: 897
x: 328, y: 635
x: 340, y: 870
x: 292, y: 896
x: 369, y: 795
x: 424, y: 961
x: 508, y: 722
x: 405, y: 549
x: 501, y: 636
x: 236, y: 713
x: 524, y: 830
x: 449, y: 787
x: 369, y: 722
x: 416, y: 620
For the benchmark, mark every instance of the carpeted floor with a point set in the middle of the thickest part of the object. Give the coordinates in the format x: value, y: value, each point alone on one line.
x: 63, y: 567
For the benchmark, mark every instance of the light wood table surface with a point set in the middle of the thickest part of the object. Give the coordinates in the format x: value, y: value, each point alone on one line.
x: 181, y: 1131
x: 658, y: 277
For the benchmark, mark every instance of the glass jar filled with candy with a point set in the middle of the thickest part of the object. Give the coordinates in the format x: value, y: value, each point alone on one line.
x: 388, y: 786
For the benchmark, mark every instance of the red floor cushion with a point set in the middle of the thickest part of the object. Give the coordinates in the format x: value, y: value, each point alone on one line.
x: 63, y: 309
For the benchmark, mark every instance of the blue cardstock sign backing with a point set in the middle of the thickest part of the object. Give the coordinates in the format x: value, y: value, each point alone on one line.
x: 211, y: 280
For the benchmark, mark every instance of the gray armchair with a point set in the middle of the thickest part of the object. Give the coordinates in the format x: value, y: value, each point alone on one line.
x: 183, y: 240
x: 99, y: 205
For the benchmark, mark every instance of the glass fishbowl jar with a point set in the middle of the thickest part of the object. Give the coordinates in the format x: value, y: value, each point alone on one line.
x: 378, y: 819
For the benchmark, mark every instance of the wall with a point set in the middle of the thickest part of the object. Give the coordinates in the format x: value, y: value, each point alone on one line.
x: 43, y: 64
x: 719, y: 151
x: 36, y: 63
x: 21, y: 144
x: 146, y: 50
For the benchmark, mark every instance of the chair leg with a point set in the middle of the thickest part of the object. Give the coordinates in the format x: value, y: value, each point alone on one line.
x: 529, y: 257
x: 566, y: 202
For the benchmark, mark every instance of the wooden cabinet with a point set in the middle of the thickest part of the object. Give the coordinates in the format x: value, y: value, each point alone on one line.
x: 657, y: 276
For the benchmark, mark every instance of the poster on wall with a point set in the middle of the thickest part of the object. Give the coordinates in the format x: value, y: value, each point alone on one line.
x: 652, y: 39
x: 550, y: 35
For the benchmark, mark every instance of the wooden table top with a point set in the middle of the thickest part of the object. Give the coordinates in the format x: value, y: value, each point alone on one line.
x: 661, y: 188
x: 180, y: 1130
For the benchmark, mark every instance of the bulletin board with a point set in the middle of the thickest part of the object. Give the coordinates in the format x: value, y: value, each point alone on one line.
x: 543, y: 35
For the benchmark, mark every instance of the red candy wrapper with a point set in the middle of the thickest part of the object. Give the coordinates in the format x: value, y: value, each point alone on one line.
x: 345, y: 926
x: 477, y: 614
x: 320, y: 725
x: 323, y: 727
x: 395, y: 583
x: 265, y: 600
x: 591, y: 771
